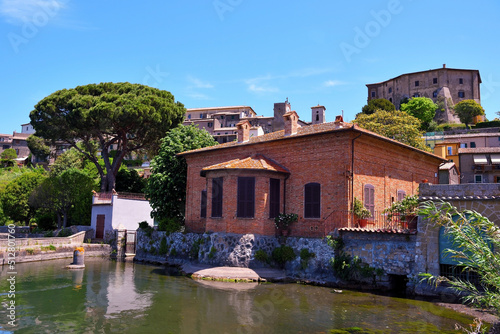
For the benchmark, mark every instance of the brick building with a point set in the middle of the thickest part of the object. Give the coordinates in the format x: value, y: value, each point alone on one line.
x: 449, y: 85
x: 314, y: 171
x: 221, y: 122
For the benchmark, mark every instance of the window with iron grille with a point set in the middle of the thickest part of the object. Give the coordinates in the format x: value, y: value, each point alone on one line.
x: 401, y: 195
x: 312, y: 200
x: 274, y: 197
x: 246, y: 197
x: 217, y: 187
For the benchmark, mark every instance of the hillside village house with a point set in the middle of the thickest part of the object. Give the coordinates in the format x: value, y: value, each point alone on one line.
x: 315, y: 171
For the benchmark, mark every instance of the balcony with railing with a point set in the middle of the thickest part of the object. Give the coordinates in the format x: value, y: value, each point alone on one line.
x: 380, y: 221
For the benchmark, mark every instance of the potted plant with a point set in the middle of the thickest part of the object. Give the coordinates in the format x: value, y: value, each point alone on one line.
x: 283, y: 221
x: 361, y: 212
x: 406, y: 209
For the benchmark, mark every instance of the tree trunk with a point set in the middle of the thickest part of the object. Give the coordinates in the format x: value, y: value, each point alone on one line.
x: 58, y: 220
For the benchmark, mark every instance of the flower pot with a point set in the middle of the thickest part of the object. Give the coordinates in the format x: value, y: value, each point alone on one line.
x: 363, y: 223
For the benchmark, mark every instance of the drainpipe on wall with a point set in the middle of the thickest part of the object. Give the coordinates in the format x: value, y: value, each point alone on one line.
x: 284, y: 193
x: 352, y: 174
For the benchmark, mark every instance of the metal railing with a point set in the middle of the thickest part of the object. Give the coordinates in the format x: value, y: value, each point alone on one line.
x: 378, y: 221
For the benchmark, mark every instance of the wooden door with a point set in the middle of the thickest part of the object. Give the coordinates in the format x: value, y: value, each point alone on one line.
x: 99, y: 229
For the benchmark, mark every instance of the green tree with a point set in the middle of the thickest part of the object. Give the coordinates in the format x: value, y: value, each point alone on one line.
x: 422, y: 108
x: 72, y: 158
x: 15, y: 197
x: 128, y: 180
x: 8, y: 156
x: 377, y: 104
x: 38, y: 147
x: 476, y: 242
x: 166, y: 187
x: 68, y: 195
x: 125, y: 116
x: 466, y: 110
x: 396, y: 125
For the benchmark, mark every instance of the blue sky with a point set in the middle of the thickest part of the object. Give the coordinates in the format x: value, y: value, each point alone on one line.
x: 241, y: 52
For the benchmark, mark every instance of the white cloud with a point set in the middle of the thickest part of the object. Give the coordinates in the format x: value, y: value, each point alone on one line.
x: 261, y: 89
x: 36, y: 11
x: 199, y: 96
x: 331, y: 83
x: 197, y: 83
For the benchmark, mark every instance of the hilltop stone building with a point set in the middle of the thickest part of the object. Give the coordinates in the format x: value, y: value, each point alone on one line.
x: 442, y: 85
x: 314, y: 171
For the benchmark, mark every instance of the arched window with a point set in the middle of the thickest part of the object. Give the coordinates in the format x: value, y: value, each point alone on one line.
x: 401, y: 195
x: 370, y: 198
x: 312, y: 200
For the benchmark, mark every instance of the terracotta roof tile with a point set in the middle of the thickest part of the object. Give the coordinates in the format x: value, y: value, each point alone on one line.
x: 479, y: 150
x: 379, y: 230
x: 305, y: 131
x: 256, y: 162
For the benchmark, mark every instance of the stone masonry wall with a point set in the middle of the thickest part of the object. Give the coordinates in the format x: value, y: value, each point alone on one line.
x: 394, y: 253
x: 236, y: 250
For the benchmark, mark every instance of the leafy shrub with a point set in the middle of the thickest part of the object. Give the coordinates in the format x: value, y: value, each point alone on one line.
x: 169, y: 225
x: 163, y: 250
x: 262, y: 256
x: 281, y: 255
x: 65, y: 232
x: 144, y: 225
x: 212, y: 253
x: 305, y: 256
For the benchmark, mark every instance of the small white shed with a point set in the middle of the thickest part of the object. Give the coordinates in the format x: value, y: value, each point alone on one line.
x: 110, y: 210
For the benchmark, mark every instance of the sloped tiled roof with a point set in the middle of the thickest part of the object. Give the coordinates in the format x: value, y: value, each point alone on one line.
x: 479, y: 150
x: 306, y: 131
x: 378, y: 230
x: 256, y: 162
x: 447, y: 166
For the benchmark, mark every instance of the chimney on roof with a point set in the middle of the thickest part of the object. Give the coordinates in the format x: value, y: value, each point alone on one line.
x: 243, y: 131
x: 339, y: 122
x: 318, y: 114
x: 444, y: 65
x: 291, y: 122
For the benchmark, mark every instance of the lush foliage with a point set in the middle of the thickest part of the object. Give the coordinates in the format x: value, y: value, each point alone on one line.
x: 284, y: 220
x: 490, y: 124
x: 422, y: 108
x: 466, y: 110
x: 477, y: 241
x: 68, y: 195
x: 14, y: 199
x: 9, y: 154
x: 359, y: 209
x: 377, y: 104
x: 166, y: 188
x: 131, y: 117
x: 281, y: 255
x: 38, y: 147
x: 396, y: 125
x: 407, y: 206
x: 128, y: 180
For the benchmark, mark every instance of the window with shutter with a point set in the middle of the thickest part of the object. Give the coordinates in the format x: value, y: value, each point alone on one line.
x: 312, y: 200
x: 203, y: 213
x: 401, y: 195
x: 246, y: 197
x: 217, y: 197
x: 274, y: 197
x: 370, y: 198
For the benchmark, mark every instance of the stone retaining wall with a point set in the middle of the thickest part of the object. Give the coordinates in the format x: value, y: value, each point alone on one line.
x: 236, y: 250
x: 75, y: 239
x: 38, y: 253
x: 394, y: 253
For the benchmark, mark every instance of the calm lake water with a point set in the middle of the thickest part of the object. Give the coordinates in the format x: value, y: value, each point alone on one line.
x: 119, y: 297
